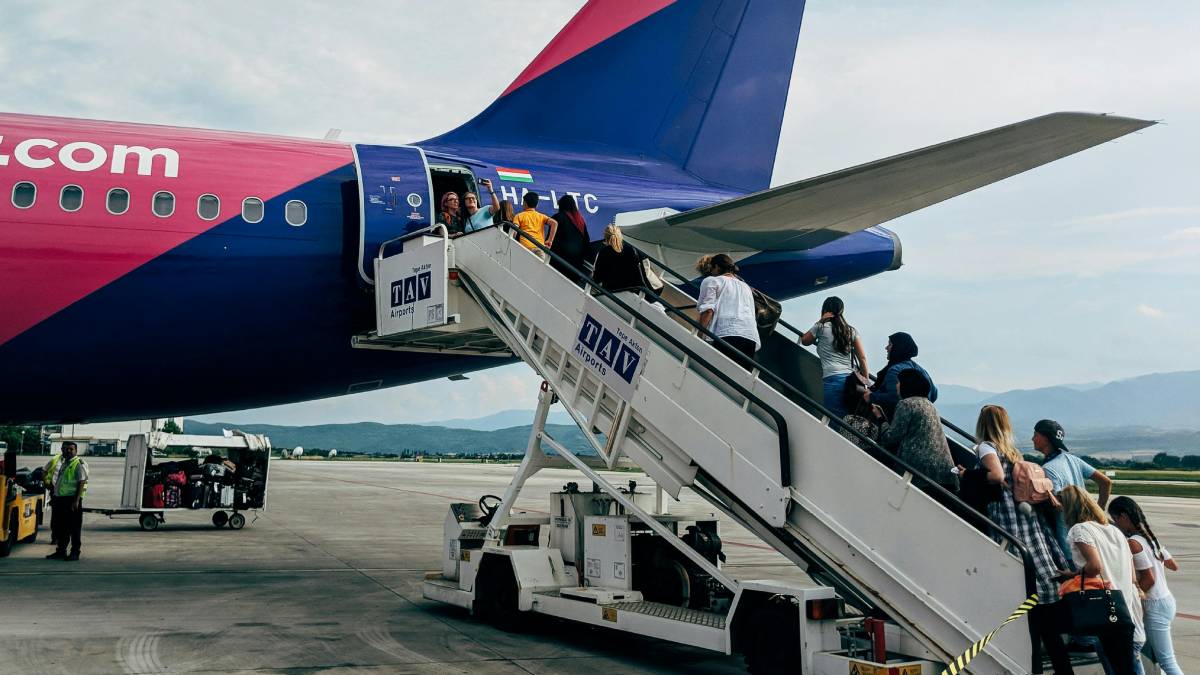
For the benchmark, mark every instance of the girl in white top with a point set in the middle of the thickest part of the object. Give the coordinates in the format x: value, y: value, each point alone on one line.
x: 726, y: 306
x: 1100, y: 549
x: 837, y: 345
x: 1159, y: 603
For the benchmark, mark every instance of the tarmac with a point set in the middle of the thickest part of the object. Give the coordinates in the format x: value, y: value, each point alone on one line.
x: 328, y: 579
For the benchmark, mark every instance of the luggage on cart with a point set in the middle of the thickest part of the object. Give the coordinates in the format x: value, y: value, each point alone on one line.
x: 195, y: 494
x: 213, y: 471
x: 172, y: 496
x: 154, y: 497
x: 177, y: 478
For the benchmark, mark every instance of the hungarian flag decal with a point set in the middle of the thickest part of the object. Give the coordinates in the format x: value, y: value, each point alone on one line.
x: 515, y: 175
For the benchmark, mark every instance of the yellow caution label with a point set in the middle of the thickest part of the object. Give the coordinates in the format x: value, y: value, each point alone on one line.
x: 465, y: 556
x: 906, y: 670
x: 599, y: 529
x: 608, y: 613
x: 959, y: 664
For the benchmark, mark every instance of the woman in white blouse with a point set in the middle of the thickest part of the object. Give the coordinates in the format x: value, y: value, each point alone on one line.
x: 1101, y: 549
x: 1152, y: 561
x: 726, y: 307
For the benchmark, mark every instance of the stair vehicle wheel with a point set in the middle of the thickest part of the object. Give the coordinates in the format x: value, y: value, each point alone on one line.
x: 220, y: 518
x: 9, y: 542
x: 773, y: 639
x: 237, y: 521
x: 148, y: 522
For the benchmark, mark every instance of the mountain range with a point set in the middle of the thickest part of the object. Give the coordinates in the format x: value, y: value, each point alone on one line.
x: 1146, y: 414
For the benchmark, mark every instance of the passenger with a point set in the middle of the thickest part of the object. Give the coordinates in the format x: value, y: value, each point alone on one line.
x: 571, y: 243
x: 618, y: 266
x: 997, y: 455
x: 477, y: 217
x: 1063, y: 469
x: 915, y: 434
x: 726, y: 306
x: 1158, y: 605
x: 449, y: 214
x: 534, y: 224
x: 901, y: 350
x: 839, y: 347
x: 503, y: 217
x: 1100, y: 549
x: 860, y: 418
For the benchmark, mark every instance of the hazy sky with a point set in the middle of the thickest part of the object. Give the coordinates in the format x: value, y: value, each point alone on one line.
x: 1082, y: 270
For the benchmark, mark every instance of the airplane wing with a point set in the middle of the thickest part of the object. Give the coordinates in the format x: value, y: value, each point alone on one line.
x: 808, y: 213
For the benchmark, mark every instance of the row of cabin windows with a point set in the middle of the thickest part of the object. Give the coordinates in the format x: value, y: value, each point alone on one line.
x: 208, y: 207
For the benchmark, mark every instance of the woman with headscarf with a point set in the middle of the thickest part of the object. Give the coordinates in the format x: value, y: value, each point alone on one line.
x: 572, y: 240
x: 901, y: 350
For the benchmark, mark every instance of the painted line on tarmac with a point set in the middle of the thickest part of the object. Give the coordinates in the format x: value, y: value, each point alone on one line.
x: 270, y: 572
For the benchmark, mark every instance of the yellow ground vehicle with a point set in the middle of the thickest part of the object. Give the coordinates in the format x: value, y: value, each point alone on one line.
x: 20, y: 512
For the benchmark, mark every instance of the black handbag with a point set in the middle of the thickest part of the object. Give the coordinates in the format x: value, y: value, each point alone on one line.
x: 1090, y: 612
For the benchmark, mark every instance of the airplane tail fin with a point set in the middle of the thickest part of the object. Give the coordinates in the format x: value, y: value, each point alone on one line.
x: 700, y: 84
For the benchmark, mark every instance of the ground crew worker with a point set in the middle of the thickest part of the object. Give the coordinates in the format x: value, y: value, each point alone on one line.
x: 48, y: 480
x: 69, y: 485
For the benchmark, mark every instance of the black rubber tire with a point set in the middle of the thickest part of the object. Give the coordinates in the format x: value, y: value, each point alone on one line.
x: 148, y: 522
x: 237, y: 521
x: 773, y: 639
x: 219, y: 519
x: 9, y: 542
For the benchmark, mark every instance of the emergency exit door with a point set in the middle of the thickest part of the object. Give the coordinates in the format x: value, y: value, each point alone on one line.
x: 395, y: 198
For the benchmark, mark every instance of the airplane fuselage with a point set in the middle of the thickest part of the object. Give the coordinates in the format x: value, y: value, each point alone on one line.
x: 148, y: 271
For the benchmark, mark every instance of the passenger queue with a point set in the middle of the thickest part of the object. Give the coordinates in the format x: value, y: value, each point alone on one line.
x: 1075, y: 546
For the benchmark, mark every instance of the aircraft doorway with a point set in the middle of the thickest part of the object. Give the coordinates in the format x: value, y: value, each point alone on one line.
x: 452, y: 179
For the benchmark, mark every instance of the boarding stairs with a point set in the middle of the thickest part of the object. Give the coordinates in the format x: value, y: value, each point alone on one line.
x: 754, y: 443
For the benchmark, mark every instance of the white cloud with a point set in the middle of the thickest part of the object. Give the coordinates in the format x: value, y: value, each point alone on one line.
x: 1152, y: 312
x: 1187, y: 233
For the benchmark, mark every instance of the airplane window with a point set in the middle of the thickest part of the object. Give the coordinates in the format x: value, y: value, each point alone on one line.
x: 252, y: 210
x: 118, y: 201
x: 71, y: 198
x: 209, y: 207
x: 296, y: 213
x: 164, y: 204
x: 23, y: 194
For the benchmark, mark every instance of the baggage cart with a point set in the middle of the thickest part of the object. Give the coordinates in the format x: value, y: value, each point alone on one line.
x: 205, y: 484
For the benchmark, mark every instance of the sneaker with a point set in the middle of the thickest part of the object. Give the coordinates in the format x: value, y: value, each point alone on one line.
x: 57, y: 555
x: 72, y: 557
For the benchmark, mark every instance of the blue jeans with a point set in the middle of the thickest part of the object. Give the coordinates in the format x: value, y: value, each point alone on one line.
x: 1158, y: 616
x: 835, y: 389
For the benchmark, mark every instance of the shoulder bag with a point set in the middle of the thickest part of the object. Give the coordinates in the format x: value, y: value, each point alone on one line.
x: 1091, y: 611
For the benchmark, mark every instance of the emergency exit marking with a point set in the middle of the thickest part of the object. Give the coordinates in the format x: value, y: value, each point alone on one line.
x: 609, y: 614
x: 599, y: 530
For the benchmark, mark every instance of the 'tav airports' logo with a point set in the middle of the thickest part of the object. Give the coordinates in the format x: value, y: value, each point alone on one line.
x: 605, y: 351
x: 413, y: 288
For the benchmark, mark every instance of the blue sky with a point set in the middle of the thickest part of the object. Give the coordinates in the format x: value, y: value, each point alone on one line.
x: 1082, y: 270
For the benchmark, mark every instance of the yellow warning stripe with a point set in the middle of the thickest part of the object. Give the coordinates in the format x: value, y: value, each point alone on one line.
x: 959, y: 664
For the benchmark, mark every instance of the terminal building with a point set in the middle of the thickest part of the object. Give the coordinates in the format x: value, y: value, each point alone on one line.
x: 106, y: 438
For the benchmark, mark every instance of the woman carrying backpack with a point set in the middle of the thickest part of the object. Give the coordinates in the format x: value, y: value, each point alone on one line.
x: 998, y: 454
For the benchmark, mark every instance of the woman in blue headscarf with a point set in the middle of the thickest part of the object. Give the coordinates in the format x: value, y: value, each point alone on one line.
x: 901, y: 350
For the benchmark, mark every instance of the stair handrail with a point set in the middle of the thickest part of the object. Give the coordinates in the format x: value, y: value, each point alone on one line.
x: 874, y: 449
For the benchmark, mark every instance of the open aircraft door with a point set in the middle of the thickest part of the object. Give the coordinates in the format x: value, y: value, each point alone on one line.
x: 394, y: 198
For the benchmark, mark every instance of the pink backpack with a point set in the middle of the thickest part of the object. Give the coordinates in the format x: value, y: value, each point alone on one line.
x: 1030, y: 483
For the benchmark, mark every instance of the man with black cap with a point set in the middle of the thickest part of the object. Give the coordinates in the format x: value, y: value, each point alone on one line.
x: 1063, y: 469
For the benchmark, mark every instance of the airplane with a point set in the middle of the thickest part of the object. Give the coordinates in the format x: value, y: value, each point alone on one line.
x: 148, y: 271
